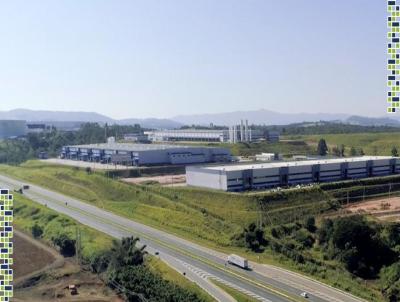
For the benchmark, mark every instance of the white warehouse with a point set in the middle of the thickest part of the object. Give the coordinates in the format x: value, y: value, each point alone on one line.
x: 281, y: 174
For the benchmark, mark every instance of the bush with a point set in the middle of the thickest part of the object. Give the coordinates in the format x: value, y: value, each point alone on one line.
x: 304, y: 238
x: 310, y: 224
x: 254, y: 238
x: 390, y: 282
x: 65, y: 244
x: 357, y: 243
x: 37, y: 231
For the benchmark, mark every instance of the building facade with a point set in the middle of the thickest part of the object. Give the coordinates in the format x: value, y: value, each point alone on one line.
x: 12, y: 128
x: 232, y: 135
x: 282, y: 174
x: 145, y: 154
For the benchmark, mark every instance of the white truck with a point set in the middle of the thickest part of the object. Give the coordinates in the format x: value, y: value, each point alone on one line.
x: 238, y: 261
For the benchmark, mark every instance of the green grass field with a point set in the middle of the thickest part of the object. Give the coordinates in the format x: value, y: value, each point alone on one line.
x: 371, y: 143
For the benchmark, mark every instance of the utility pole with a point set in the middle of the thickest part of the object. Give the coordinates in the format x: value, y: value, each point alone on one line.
x: 364, y: 194
x: 78, y: 244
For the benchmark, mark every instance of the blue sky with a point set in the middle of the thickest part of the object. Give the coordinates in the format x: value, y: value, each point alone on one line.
x: 163, y: 58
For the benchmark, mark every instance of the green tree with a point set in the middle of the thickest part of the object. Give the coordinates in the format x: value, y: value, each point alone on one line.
x: 65, y: 244
x: 342, y: 150
x: 360, y: 247
x: 37, y: 231
x: 310, y: 224
x: 390, y: 282
x: 336, y: 151
x: 395, y: 153
x: 254, y: 238
x: 127, y: 269
x: 353, y: 151
x: 322, y: 148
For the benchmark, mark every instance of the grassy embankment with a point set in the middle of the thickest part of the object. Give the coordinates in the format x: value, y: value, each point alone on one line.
x: 27, y: 213
x: 208, y: 217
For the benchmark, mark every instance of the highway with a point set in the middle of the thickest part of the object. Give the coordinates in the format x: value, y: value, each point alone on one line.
x: 263, y: 282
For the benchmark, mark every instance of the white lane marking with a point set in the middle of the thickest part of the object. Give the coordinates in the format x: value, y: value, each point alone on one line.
x: 206, y: 275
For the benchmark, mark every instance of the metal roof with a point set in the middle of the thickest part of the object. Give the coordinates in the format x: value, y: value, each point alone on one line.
x: 280, y: 164
x: 132, y: 147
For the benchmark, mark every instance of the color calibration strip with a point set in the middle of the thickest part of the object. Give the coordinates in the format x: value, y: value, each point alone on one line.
x: 6, y: 246
x: 393, y: 56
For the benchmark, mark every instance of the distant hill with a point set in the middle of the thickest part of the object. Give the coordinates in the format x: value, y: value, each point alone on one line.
x: 259, y: 117
x: 54, y: 116
x: 78, y: 116
x: 372, y: 121
x: 151, y: 123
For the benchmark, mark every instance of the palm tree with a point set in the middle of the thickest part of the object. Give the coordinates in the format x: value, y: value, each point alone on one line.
x: 125, y: 252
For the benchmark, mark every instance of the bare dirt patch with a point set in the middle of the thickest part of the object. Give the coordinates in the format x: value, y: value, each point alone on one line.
x: 31, y: 256
x: 41, y: 274
x: 164, y: 180
x: 387, y: 208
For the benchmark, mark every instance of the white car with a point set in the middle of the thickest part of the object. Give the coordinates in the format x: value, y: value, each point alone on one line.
x: 304, y: 295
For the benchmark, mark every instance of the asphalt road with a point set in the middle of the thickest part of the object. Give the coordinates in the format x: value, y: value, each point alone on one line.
x: 263, y: 282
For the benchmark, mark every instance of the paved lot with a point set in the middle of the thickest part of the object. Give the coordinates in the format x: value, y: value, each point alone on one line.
x: 85, y: 164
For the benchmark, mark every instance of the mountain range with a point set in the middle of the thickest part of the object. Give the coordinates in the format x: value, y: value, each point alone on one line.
x: 79, y: 116
x: 260, y: 117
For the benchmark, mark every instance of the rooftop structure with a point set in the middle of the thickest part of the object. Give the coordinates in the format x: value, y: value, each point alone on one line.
x: 240, y: 177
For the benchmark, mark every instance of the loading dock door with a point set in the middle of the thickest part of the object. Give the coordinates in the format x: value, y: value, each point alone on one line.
x: 247, y: 179
x: 370, y: 168
x: 284, y: 176
x: 393, y: 166
x: 316, y: 173
x: 344, y: 167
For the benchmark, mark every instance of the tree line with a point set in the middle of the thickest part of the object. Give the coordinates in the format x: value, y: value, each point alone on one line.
x: 340, y: 150
x: 15, y: 151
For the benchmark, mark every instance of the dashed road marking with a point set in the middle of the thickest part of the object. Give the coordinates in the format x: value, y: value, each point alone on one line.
x: 206, y: 275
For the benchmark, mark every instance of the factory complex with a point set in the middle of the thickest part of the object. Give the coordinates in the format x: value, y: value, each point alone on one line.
x: 145, y: 154
x: 235, y: 134
x: 281, y: 174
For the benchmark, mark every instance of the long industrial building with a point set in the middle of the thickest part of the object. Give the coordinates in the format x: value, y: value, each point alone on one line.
x: 282, y: 174
x: 233, y: 135
x: 145, y: 154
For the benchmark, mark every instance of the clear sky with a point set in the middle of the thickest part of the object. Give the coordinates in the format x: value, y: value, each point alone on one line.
x: 163, y: 58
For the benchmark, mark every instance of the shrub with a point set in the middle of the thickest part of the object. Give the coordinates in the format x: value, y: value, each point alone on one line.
x: 65, y: 244
x: 37, y: 231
